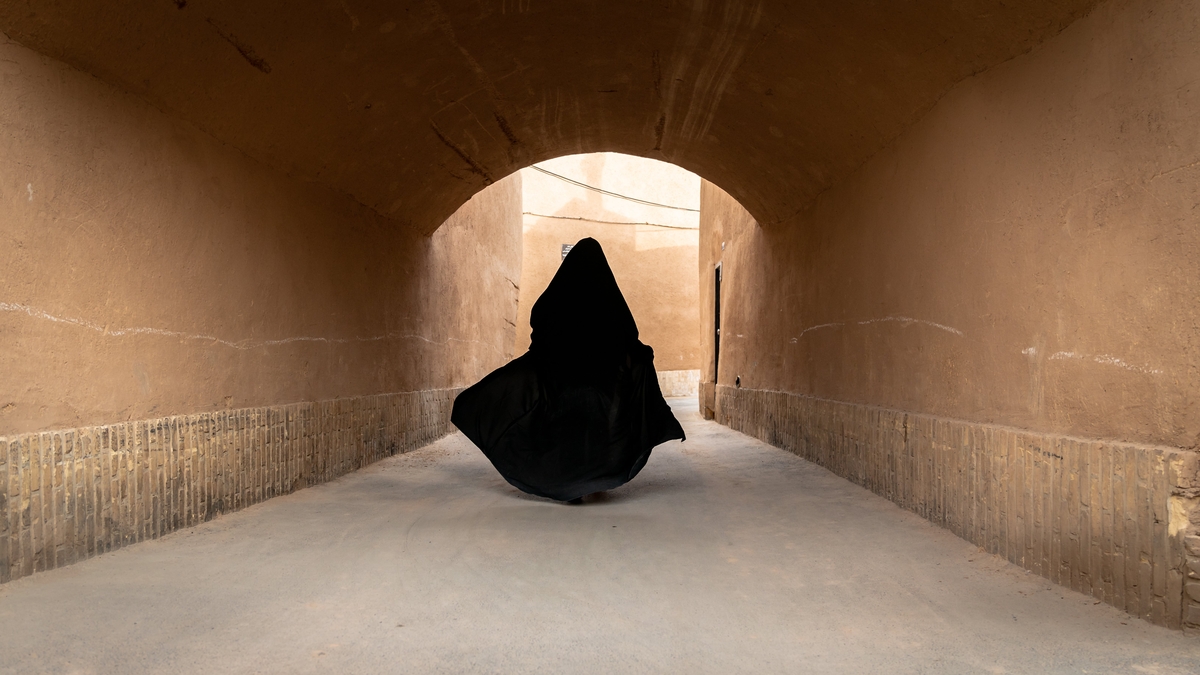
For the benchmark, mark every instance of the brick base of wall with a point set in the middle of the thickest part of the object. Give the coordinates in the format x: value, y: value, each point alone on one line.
x: 708, y: 400
x: 1117, y: 521
x: 69, y: 495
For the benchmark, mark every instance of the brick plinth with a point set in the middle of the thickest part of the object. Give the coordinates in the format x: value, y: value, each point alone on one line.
x: 1117, y: 521
x: 69, y: 495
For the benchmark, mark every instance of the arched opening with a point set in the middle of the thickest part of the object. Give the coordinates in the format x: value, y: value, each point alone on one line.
x: 646, y: 215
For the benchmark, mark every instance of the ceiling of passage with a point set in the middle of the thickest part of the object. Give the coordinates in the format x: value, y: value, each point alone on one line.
x: 412, y: 107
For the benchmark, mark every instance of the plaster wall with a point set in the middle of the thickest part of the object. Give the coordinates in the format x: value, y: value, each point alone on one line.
x: 1024, y: 255
x: 147, y: 269
x: 652, y: 250
x: 993, y: 322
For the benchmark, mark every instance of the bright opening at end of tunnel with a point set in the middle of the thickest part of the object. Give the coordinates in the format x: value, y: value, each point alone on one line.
x: 646, y: 216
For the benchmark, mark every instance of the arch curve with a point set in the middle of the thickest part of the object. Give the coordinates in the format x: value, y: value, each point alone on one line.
x: 412, y: 108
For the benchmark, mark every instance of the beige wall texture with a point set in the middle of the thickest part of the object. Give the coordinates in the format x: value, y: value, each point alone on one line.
x: 147, y: 269
x: 652, y: 250
x: 186, y: 332
x: 1024, y: 255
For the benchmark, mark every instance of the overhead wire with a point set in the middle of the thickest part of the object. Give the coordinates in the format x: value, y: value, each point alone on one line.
x: 612, y: 194
x: 608, y: 222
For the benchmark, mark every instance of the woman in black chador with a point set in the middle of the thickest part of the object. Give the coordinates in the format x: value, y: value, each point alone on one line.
x: 581, y: 410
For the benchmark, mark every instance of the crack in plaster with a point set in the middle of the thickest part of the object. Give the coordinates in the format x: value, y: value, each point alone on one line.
x: 246, y: 344
x: 906, y: 320
x: 1104, y: 359
x: 1160, y: 174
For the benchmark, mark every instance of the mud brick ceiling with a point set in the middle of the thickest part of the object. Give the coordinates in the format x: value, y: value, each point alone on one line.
x: 413, y: 107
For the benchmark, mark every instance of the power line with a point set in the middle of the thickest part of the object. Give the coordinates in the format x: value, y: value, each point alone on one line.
x: 612, y: 194
x: 608, y: 222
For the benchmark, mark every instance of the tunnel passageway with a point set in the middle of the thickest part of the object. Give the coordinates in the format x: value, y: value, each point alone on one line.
x: 725, y: 555
x: 247, y: 248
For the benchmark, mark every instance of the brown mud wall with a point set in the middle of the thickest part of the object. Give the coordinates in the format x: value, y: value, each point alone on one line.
x: 147, y: 269
x: 186, y: 332
x: 1025, y: 256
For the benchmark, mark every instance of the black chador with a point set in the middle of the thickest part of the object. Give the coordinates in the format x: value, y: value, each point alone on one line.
x: 581, y: 410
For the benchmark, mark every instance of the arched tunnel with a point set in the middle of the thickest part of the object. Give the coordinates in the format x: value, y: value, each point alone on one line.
x: 251, y: 247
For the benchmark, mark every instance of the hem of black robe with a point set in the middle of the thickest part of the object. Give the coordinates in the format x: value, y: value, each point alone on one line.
x: 580, y: 488
x: 587, y: 487
x: 657, y: 415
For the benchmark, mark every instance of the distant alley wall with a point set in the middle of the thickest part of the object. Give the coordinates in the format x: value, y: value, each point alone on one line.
x: 652, y: 249
x: 1009, y: 287
x: 186, y: 331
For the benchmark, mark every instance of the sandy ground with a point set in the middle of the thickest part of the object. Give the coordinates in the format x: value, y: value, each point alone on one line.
x: 725, y: 555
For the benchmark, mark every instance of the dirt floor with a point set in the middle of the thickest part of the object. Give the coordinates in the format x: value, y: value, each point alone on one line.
x: 724, y: 556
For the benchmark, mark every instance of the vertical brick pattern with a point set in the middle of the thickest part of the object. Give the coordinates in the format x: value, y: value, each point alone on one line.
x: 1117, y: 521
x: 708, y: 400
x: 68, y: 495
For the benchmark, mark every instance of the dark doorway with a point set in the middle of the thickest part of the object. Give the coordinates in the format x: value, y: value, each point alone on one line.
x: 717, y: 323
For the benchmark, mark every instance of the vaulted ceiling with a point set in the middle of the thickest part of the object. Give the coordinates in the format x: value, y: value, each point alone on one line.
x: 412, y: 107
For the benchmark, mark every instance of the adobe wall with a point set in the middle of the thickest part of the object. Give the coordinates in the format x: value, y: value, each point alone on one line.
x: 1021, y: 263
x: 652, y: 250
x: 186, y: 332
x: 1024, y: 255
x: 150, y: 270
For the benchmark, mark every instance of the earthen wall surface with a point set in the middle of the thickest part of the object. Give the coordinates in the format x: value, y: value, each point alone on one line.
x: 1024, y: 255
x: 1015, y: 276
x: 147, y: 269
x: 186, y: 332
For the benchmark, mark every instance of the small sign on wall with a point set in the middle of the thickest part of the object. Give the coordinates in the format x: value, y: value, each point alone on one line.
x: 566, y: 248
